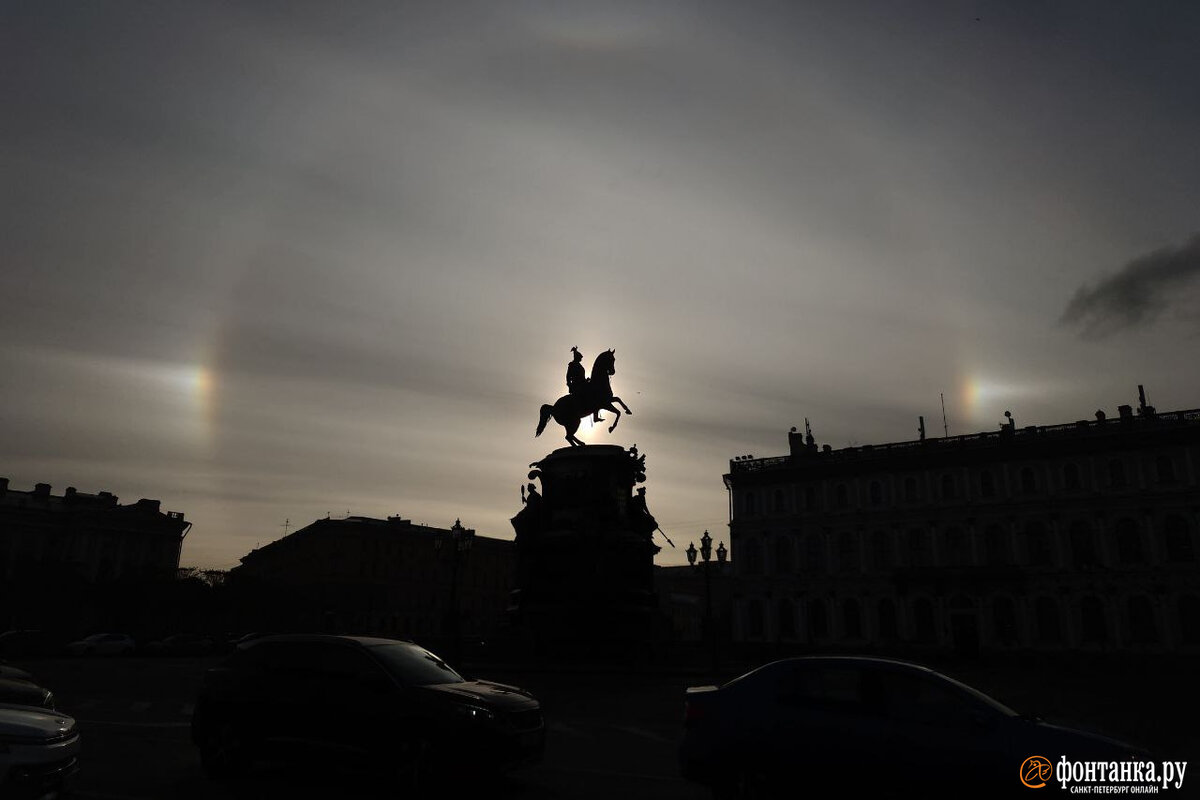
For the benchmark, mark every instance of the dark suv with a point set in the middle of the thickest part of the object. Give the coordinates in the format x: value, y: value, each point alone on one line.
x: 380, y: 704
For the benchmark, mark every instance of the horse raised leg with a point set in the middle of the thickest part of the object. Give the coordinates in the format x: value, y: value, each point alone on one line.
x: 620, y: 402
x: 612, y: 408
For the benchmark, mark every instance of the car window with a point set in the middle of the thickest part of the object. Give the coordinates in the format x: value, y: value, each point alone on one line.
x: 922, y: 699
x: 414, y: 666
x: 828, y: 688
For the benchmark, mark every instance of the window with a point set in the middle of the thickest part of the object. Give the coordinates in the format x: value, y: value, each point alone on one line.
x: 810, y: 498
x: 1048, y: 620
x: 777, y: 501
x: 755, y: 618
x: 876, y: 493
x: 842, y: 496
x: 847, y: 552
x: 957, y: 553
x: 814, y: 552
x: 754, y: 557
x: 1028, y: 480
x: 919, y: 554
x: 987, y: 484
x: 1165, y: 468
x: 1142, y: 629
x: 818, y: 624
x: 997, y: 545
x: 887, y: 620
x: 783, y: 555
x: 1116, y: 473
x: 948, y: 488
x: 1129, y: 542
x: 1091, y: 621
x: 1004, y: 619
x: 910, y: 489
x: 1037, y: 542
x: 881, y: 550
x: 1083, y: 544
x: 1071, y: 480
x: 1189, y: 619
x: 749, y: 504
x: 923, y: 625
x: 851, y: 619
x: 1178, y: 540
x: 787, y: 619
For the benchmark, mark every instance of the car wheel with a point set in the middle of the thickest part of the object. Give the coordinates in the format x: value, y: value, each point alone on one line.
x: 224, y: 752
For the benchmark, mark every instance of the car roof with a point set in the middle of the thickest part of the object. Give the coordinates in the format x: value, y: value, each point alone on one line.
x: 326, y: 638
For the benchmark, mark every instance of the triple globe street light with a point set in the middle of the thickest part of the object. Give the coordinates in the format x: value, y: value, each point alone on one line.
x: 706, y: 553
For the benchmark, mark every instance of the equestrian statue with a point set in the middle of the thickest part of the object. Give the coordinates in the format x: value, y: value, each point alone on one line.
x: 586, y: 396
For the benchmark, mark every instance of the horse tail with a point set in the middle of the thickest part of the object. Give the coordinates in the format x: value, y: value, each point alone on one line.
x: 547, y: 412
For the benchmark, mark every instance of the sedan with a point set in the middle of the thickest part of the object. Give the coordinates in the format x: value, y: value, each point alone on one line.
x: 102, y: 644
x: 866, y: 726
x: 39, y: 752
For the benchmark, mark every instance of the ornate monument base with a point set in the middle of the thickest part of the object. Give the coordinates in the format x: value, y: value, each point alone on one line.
x: 585, y: 558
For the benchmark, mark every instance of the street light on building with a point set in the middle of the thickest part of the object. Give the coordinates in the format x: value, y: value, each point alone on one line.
x: 706, y: 557
x: 459, y: 545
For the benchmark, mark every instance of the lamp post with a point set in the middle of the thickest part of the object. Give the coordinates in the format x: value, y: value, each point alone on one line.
x: 460, y: 544
x: 706, y: 558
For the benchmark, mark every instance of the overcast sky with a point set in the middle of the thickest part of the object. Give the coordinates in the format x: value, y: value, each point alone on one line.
x: 266, y: 261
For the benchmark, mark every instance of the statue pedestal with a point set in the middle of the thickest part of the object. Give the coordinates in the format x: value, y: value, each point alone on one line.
x: 585, y: 563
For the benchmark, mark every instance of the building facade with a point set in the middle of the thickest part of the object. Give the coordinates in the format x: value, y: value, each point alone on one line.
x: 1080, y: 536
x: 85, y: 537
x: 386, y: 577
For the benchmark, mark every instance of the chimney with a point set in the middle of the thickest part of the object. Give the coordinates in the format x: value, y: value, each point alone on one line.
x: 1126, y: 412
x: 921, y: 427
x: 1143, y: 409
x: 41, y: 490
x: 148, y: 505
x: 1100, y: 415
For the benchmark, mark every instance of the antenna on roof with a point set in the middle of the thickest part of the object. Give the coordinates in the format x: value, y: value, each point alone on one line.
x: 945, y: 427
x: 287, y: 523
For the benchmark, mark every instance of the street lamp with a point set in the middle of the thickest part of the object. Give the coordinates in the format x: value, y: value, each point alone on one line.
x: 706, y: 558
x: 460, y: 545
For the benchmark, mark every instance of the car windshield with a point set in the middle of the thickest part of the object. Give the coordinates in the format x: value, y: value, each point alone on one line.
x: 415, y: 666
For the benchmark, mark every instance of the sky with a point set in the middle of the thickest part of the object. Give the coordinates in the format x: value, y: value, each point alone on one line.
x: 272, y: 261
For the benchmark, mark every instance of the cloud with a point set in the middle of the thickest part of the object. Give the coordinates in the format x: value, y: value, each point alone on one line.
x: 1137, y: 294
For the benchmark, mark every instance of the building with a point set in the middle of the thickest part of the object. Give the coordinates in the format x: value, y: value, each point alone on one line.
x: 1081, y: 536
x: 86, y: 537
x: 379, y: 576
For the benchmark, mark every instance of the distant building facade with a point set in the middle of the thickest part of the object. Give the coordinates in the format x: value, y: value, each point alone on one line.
x: 379, y: 576
x: 89, y: 537
x: 1080, y: 536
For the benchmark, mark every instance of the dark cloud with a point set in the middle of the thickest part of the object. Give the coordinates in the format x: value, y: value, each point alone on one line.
x: 1137, y: 294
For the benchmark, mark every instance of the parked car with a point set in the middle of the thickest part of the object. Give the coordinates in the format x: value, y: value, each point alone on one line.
x: 362, y: 702
x: 9, y: 671
x: 39, y: 751
x: 25, y: 692
x: 867, y: 727
x: 103, y: 644
x: 180, y: 644
x: 30, y: 644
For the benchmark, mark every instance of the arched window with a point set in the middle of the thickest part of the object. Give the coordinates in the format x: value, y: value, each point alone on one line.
x: 778, y: 502
x: 948, y: 488
x: 851, y: 619
x: 1071, y: 480
x: 887, y: 620
x: 1028, y: 480
x: 756, y: 624
x: 814, y: 553
x: 1189, y: 619
x: 749, y: 504
x: 842, y: 496
x: 876, y: 492
x: 956, y: 551
x: 910, y: 489
x: 1004, y: 620
x: 1037, y: 541
x: 753, y: 557
x: 987, y: 484
x: 787, y: 619
x: 998, y: 546
x: 847, y: 552
x: 1129, y: 542
x: 818, y: 623
x: 923, y: 625
x: 919, y: 549
x: 1083, y: 544
x: 1049, y: 622
x: 1093, y: 627
x: 881, y: 550
x: 1165, y: 468
x: 1178, y: 540
x: 810, y: 498
x: 1116, y: 472
x: 1142, y: 628
x: 784, y: 563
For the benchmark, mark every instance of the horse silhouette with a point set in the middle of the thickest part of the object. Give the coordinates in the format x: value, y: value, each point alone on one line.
x: 596, y: 394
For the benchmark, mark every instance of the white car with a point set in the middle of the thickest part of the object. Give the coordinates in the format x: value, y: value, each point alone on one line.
x: 39, y: 752
x: 102, y: 644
